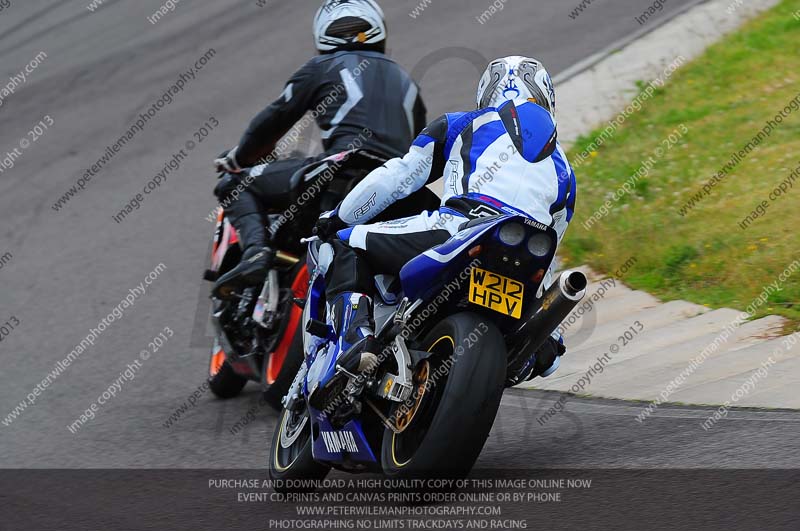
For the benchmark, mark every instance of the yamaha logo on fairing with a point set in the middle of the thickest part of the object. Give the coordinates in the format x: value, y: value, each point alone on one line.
x: 535, y: 224
x: 337, y: 442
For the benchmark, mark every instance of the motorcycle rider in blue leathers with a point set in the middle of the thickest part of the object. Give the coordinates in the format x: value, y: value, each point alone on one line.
x: 504, y: 154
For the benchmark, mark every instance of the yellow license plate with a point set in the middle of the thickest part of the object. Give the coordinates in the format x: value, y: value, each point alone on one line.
x: 497, y: 292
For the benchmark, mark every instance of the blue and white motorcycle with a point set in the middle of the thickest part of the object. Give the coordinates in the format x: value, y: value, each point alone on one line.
x: 460, y: 324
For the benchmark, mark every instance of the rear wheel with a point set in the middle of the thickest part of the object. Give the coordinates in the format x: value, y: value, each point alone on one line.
x: 222, y: 380
x: 457, y: 392
x: 282, y: 365
x: 291, y: 459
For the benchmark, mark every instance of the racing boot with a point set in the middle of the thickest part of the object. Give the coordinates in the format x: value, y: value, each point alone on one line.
x: 256, y: 258
x: 360, y: 351
x: 362, y: 356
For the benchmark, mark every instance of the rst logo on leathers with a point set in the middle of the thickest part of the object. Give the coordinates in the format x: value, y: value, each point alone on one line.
x: 362, y: 211
x: 339, y: 441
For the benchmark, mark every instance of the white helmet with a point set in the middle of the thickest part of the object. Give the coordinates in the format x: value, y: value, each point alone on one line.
x: 346, y: 23
x: 516, y: 78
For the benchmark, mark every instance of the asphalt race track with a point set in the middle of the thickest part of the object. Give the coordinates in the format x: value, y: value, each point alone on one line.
x: 71, y: 266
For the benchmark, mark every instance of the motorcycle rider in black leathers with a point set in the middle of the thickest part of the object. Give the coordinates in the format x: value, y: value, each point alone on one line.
x: 350, y: 88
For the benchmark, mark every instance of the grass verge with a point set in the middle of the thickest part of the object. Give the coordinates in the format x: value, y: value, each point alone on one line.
x: 691, y: 244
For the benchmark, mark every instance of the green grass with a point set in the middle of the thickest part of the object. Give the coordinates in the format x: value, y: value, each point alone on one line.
x: 723, y: 98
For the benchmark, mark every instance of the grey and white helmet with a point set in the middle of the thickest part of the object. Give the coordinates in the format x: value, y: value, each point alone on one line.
x: 347, y: 23
x: 516, y: 78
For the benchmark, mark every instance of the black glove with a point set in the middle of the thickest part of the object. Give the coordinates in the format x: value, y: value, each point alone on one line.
x: 327, y: 227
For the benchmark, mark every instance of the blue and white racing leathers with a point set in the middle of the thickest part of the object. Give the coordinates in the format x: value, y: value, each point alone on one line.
x: 493, y: 160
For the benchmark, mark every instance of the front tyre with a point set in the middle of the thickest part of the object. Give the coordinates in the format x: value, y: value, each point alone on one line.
x: 291, y: 463
x: 457, y: 392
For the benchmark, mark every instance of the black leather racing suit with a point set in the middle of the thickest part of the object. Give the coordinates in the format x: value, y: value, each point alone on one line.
x: 347, y: 93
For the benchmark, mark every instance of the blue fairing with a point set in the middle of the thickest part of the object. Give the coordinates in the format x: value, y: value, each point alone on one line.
x: 331, y: 444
